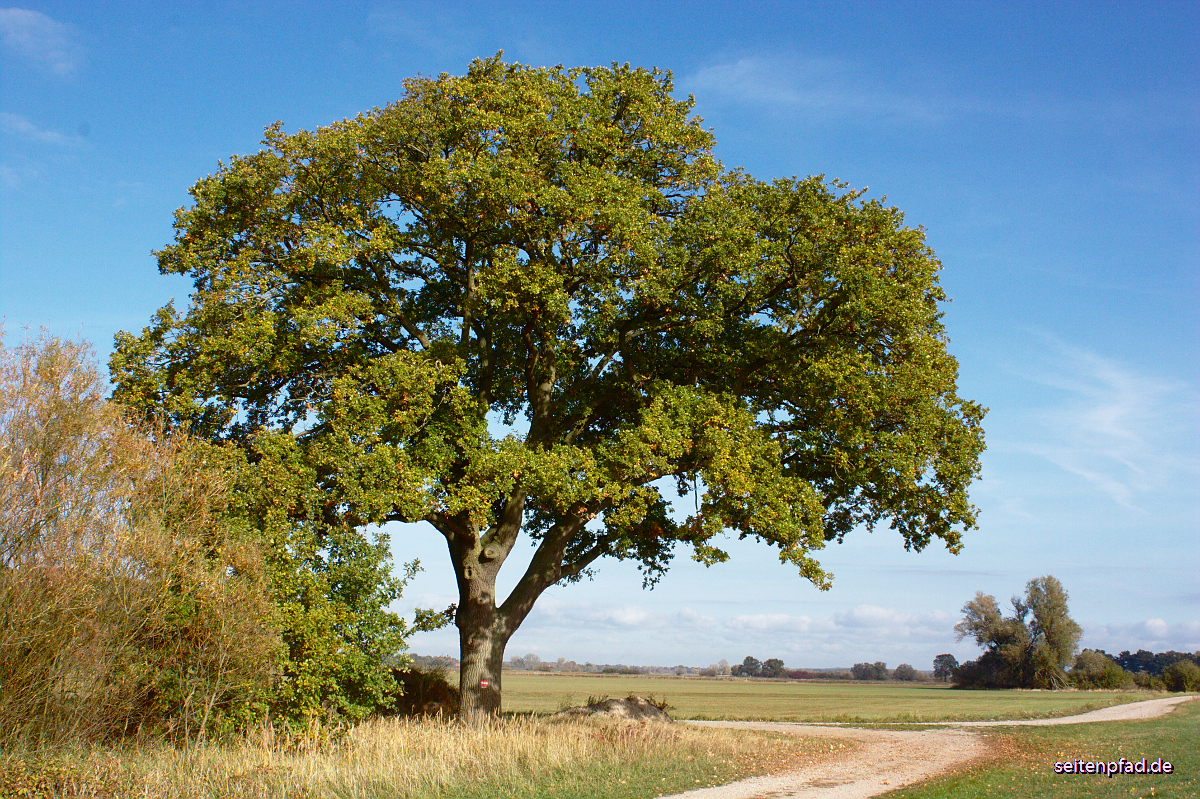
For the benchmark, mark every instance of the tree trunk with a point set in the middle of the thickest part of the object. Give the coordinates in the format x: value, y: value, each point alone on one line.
x: 481, y: 648
x: 481, y: 638
x: 484, y: 628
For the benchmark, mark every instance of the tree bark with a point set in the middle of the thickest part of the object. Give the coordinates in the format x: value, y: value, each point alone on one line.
x: 481, y: 647
x: 482, y: 629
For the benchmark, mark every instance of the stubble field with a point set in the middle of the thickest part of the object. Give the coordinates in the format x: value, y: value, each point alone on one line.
x: 783, y: 700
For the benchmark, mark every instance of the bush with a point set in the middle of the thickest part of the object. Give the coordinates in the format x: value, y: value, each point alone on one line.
x: 985, y: 672
x: 1182, y: 675
x: 1148, y: 681
x: 1096, y: 670
x: 906, y: 673
x: 422, y: 692
x: 125, y: 602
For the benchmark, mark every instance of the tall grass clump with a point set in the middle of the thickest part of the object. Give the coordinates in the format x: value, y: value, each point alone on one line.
x: 126, y: 602
x: 394, y: 758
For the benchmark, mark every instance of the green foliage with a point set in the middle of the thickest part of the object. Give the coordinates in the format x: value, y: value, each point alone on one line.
x: 773, y: 667
x: 906, y: 673
x: 560, y: 246
x: 1153, y: 663
x: 1182, y: 675
x: 1027, y: 650
x: 331, y: 585
x: 750, y: 667
x: 1094, y: 669
x: 944, y: 666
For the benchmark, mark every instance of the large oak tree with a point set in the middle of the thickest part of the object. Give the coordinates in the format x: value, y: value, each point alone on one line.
x: 556, y: 253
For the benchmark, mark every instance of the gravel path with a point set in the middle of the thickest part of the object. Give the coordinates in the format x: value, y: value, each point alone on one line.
x: 888, y: 759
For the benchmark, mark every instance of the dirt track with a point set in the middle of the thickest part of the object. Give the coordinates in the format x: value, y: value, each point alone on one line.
x: 888, y: 759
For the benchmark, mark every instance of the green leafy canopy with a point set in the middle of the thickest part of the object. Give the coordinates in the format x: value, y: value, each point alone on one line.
x: 557, y: 250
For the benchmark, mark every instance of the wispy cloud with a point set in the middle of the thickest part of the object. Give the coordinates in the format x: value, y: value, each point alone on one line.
x: 46, y: 43
x: 843, y: 89
x: 17, y: 125
x: 1125, y: 432
x: 826, y: 86
x: 429, y: 26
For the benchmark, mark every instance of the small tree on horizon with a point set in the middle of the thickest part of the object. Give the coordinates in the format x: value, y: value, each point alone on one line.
x: 773, y: 667
x: 1031, y: 648
x: 944, y: 666
x: 750, y: 667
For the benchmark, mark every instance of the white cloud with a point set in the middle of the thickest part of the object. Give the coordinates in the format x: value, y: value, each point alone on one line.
x: 45, y: 42
x: 13, y: 176
x: 649, y: 634
x: 842, y: 89
x: 1155, y: 635
x: 17, y: 125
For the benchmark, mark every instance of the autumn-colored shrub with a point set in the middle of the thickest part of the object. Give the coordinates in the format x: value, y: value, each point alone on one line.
x: 127, y: 603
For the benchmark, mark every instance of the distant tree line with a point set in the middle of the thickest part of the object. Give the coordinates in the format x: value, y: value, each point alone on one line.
x: 870, y: 671
x: 534, y: 662
x: 1170, y: 671
x: 752, y: 667
x: 1154, y: 664
x: 879, y: 671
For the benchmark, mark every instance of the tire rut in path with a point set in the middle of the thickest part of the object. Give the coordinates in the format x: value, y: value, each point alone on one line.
x: 885, y: 760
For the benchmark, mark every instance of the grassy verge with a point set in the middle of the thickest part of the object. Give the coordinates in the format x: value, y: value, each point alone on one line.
x: 521, y: 757
x: 1022, y: 764
x: 772, y: 700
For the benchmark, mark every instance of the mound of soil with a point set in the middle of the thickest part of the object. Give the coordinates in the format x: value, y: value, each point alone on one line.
x: 634, y: 708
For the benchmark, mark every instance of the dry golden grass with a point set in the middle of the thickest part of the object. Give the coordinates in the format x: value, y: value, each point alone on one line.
x: 520, y: 757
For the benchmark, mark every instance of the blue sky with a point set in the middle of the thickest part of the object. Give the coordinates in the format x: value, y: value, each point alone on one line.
x: 1049, y: 150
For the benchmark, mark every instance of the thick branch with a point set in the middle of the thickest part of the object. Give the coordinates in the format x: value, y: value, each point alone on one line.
x: 544, y: 570
x: 414, y: 331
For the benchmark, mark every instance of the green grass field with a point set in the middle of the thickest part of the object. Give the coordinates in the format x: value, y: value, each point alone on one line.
x: 1024, y: 758
x: 769, y: 700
